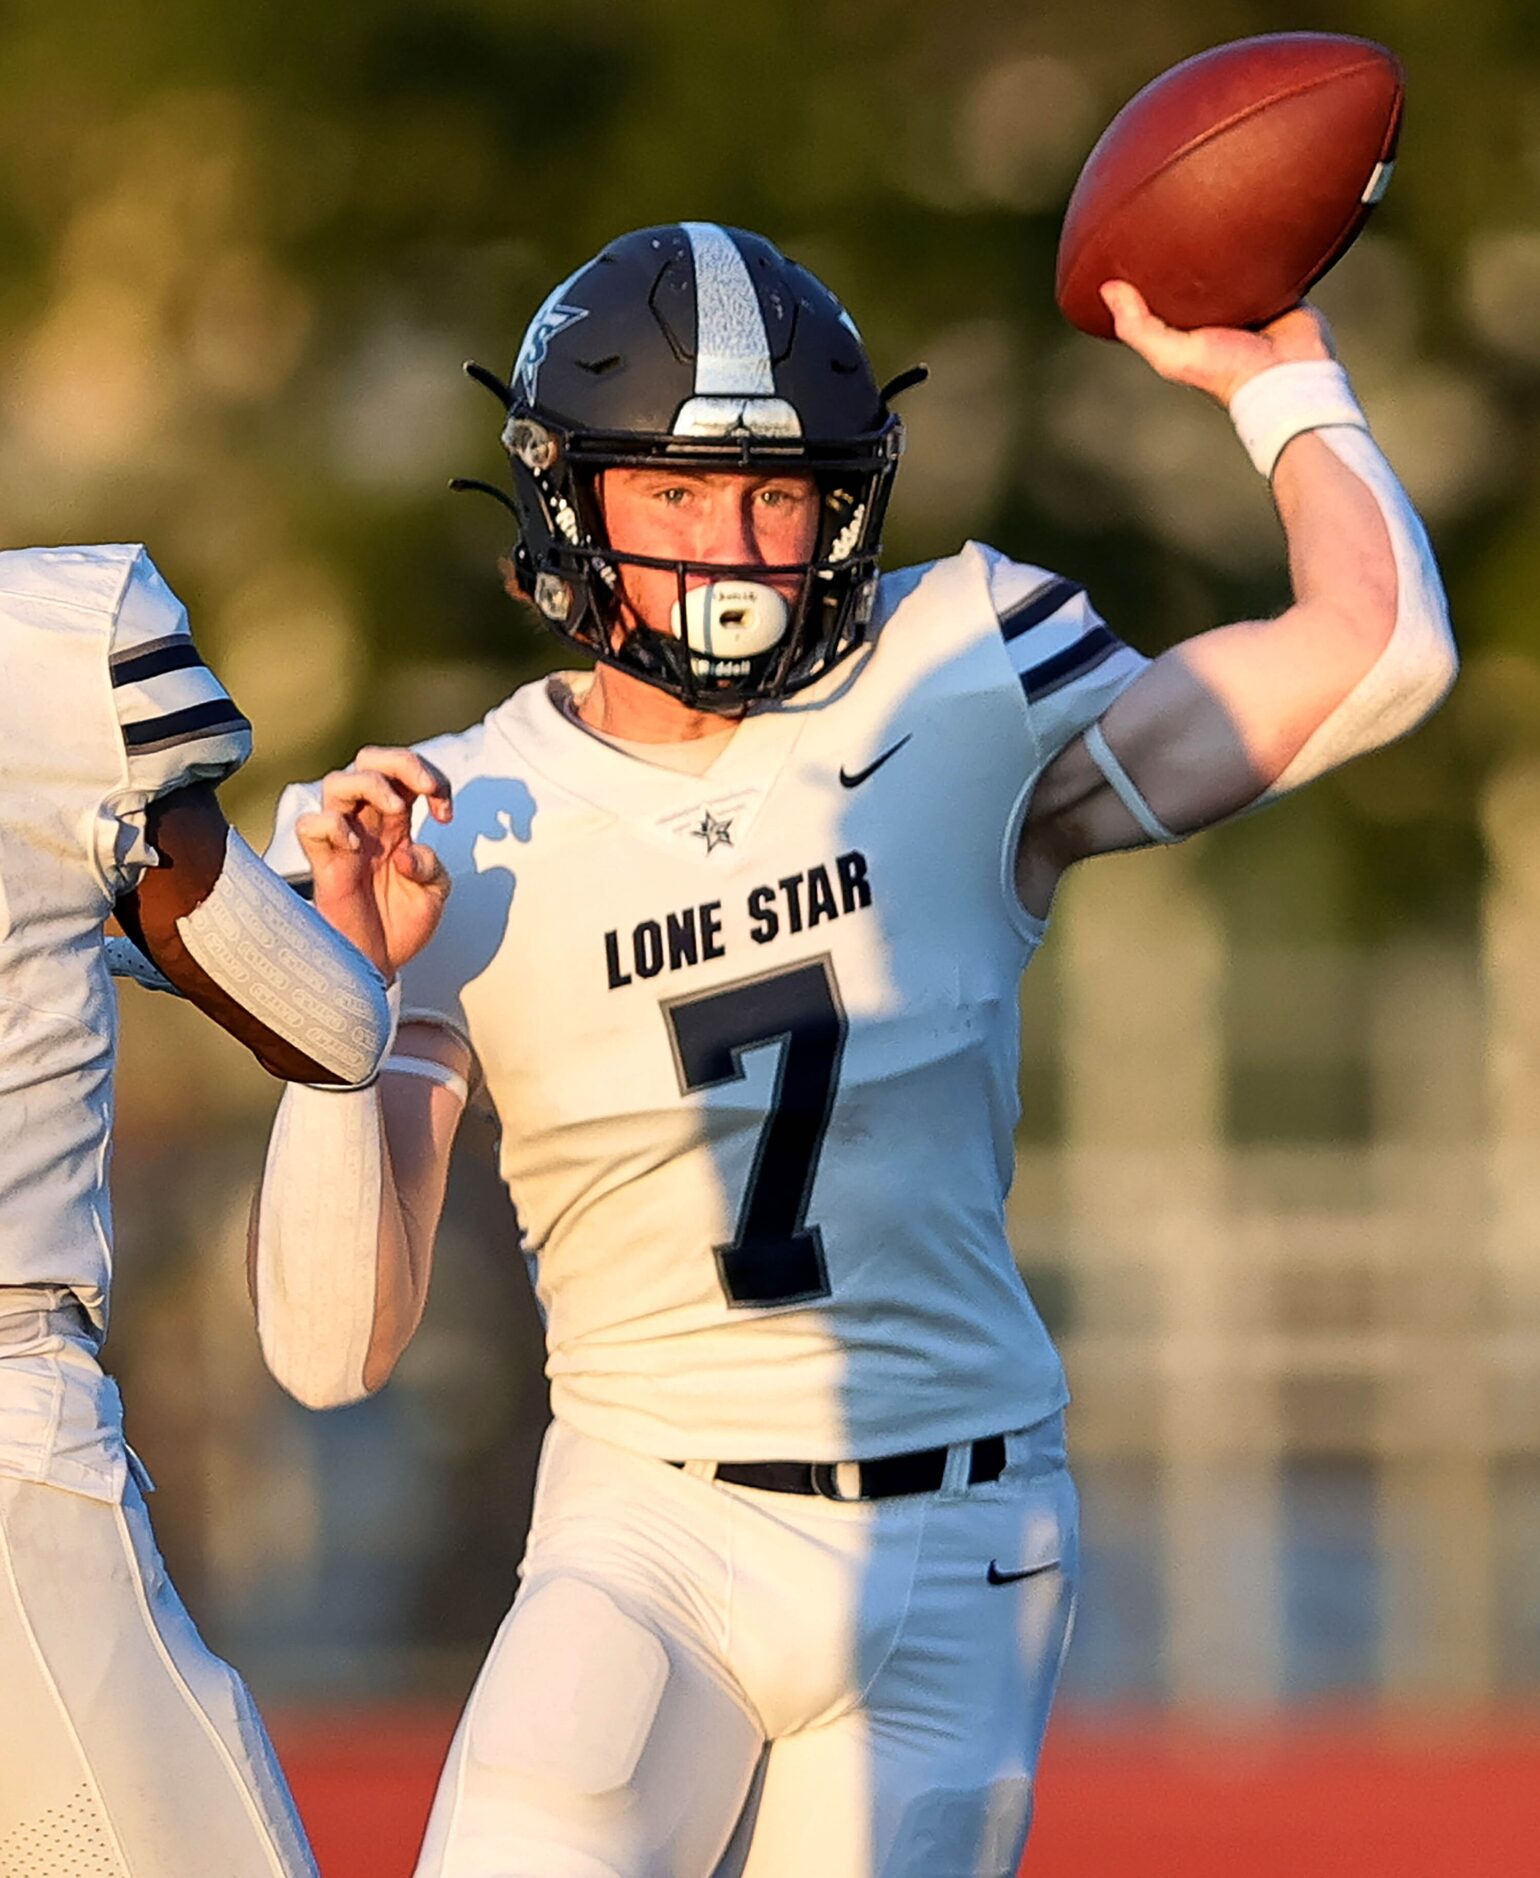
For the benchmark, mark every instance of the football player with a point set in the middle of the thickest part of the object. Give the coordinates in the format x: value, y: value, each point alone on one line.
x: 734, y: 951
x: 125, y: 1746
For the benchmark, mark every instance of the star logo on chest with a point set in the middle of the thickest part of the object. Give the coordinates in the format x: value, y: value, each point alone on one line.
x: 715, y: 834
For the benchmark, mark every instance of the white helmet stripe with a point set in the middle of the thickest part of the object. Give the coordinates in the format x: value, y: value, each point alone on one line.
x: 732, y: 348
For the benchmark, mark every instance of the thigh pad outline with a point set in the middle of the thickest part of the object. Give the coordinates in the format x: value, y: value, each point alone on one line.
x: 571, y: 1690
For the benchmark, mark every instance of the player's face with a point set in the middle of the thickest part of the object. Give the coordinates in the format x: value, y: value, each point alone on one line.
x: 729, y: 518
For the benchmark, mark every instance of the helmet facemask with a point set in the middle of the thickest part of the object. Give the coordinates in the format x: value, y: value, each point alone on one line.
x: 722, y: 654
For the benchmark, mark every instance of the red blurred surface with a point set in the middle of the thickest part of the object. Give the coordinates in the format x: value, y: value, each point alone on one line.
x: 1323, y: 1800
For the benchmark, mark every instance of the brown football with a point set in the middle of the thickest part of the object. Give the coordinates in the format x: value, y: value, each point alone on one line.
x: 1229, y: 185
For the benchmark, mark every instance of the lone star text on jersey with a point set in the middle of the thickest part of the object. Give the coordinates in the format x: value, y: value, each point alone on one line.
x: 791, y: 904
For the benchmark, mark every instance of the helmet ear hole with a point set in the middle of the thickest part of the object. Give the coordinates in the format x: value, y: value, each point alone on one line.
x: 536, y: 446
x: 554, y: 597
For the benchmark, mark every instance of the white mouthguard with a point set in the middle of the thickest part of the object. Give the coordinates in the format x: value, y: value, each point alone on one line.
x: 730, y: 621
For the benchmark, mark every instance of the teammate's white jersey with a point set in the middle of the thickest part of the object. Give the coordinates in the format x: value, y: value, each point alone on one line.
x: 752, y: 1035
x: 104, y: 705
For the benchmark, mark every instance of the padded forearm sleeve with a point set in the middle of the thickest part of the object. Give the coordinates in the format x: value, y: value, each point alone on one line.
x: 277, y: 958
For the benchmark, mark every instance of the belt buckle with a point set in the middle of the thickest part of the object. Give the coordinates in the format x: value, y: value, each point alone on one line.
x: 826, y: 1481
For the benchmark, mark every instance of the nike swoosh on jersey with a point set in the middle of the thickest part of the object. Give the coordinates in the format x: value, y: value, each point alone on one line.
x: 998, y: 1577
x: 852, y: 781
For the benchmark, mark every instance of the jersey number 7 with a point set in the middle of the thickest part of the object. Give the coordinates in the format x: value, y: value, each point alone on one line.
x: 776, y: 1255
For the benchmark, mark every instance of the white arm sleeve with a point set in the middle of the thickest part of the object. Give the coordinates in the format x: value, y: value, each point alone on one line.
x: 317, y: 1238
x: 1419, y: 662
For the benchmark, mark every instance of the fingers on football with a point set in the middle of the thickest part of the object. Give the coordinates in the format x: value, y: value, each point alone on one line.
x: 412, y: 773
x: 1167, y: 349
x: 1123, y: 299
x: 324, y: 832
x: 1302, y: 332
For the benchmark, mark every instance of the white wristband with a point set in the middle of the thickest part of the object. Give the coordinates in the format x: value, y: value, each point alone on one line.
x: 1283, y: 402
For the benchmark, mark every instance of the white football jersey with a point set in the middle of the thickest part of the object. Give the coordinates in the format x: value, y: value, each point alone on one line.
x: 752, y: 1035
x: 104, y: 705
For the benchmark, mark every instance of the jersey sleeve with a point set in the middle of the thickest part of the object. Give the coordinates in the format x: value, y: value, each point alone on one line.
x: 179, y: 724
x: 1069, y: 662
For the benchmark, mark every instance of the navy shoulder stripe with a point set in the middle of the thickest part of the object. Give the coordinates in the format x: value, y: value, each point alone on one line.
x: 1073, y: 662
x: 216, y: 717
x: 1037, y: 607
x: 175, y: 654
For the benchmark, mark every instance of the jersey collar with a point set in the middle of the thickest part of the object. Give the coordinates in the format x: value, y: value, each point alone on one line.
x: 645, y: 794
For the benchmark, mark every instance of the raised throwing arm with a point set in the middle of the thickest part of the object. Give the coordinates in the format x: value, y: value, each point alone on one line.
x: 1241, y: 714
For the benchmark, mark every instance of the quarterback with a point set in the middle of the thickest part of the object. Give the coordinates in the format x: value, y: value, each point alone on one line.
x: 734, y: 949
x: 126, y: 1748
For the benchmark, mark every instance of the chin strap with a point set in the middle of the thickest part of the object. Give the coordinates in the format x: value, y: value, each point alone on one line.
x: 459, y: 484
x: 905, y: 381
x: 503, y: 393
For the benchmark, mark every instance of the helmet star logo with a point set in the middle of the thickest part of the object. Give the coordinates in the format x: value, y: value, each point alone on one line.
x: 715, y: 834
x: 551, y: 320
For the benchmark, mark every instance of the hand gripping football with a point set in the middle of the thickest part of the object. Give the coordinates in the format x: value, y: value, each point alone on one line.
x: 1229, y: 185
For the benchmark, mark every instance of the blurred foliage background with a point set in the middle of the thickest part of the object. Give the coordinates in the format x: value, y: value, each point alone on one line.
x: 248, y: 248
x: 245, y: 251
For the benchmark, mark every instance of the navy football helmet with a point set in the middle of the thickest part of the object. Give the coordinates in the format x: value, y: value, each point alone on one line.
x: 699, y: 347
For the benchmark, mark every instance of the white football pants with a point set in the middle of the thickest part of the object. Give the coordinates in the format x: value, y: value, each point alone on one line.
x: 700, y: 1679
x: 127, y: 1750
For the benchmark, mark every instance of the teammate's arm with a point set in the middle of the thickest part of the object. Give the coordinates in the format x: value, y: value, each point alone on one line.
x: 213, y: 921
x: 343, y: 1225
x: 194, y: 899
x: 1237, y: 715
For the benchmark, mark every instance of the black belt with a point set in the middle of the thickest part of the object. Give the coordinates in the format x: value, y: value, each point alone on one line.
x: 884, y: 1479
